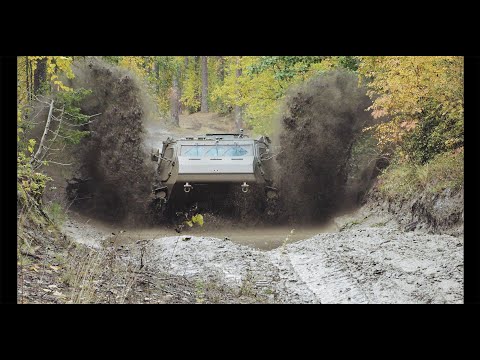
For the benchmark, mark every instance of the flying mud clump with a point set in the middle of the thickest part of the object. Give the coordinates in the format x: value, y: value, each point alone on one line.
x: 320, y: 122
x: 113, y: 180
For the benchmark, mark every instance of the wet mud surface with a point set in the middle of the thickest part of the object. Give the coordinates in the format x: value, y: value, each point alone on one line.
x: 359, y: 262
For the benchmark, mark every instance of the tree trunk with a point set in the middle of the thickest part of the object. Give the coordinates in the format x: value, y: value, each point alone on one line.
x: 238, y: 117
x: 238, y: 109
x: 197, y: 71
x: 197, y: 61
x: 31, y: 78
x: 175, y: 99
x: 40, y: 75
x: 204, y: 103
x: 157, y: 74
x: 27, y: 74
x: 185, y: 79
x: 221, y: 70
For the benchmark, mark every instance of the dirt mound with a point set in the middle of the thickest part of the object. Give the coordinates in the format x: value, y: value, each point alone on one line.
x: 320, y: 123
x: 113, y: 180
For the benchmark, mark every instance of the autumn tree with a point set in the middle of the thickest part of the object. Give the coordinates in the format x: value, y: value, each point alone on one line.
x: 221, y: 68
x: 40, y: 74
x: 421, y: 100
x: 253, y: 86
x: 204, y: 102
x: 35, y: 93
x: 191, y: 86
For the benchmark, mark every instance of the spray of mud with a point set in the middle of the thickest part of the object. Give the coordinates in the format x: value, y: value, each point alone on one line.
x: 113, y: 180
x: 318, y: 126
x: 320, y: 122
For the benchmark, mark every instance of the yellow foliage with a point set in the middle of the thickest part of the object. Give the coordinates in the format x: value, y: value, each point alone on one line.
x: 191, y: 87
x: 259, y: 94
x: 56, y: 65
x: 136, y: 64
x: 402, y: 87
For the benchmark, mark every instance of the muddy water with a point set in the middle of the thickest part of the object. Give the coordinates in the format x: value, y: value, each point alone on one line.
x: 262, y: 238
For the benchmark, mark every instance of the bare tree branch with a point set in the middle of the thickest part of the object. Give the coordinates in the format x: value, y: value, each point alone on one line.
x: 76, y: 125
x: 54, y: 162
x: 63, y: 137
x: 45, y: 132
x: 52, y: 141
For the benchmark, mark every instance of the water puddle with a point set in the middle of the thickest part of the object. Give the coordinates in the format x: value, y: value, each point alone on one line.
x: 258, y: 237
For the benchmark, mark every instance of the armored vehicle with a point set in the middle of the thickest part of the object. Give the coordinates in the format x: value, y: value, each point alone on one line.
x: 210, y: 169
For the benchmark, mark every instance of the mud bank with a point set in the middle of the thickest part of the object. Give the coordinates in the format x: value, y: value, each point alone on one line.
x: 442, y: 213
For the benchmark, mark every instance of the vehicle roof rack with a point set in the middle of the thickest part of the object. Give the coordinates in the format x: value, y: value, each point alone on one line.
x: 229, y: 134
x: 217, y: 136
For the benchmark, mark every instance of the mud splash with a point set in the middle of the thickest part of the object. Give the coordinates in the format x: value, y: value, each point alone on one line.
x: 113, y: 179
x: 320, y: 122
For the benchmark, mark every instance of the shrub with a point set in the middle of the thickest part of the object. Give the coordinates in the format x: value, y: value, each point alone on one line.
x: 56, y: 213
x: 444, y: 171
x: 435, y: 134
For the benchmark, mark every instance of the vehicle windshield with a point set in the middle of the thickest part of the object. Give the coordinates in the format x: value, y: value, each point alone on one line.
x: 216, y: 150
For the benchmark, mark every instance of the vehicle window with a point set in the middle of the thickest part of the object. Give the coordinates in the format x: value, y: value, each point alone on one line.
x: 193, y: 150
x: 235, y: 151
x: 216, y: 150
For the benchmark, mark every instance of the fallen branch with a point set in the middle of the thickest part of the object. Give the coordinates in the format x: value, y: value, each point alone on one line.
x: 31, y: 255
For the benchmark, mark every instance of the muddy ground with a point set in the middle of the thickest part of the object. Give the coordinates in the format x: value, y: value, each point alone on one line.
x: 92, y: 267
x: 365, y: 258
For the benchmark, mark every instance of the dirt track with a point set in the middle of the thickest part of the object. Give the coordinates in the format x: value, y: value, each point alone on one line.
x: 370, y: 262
